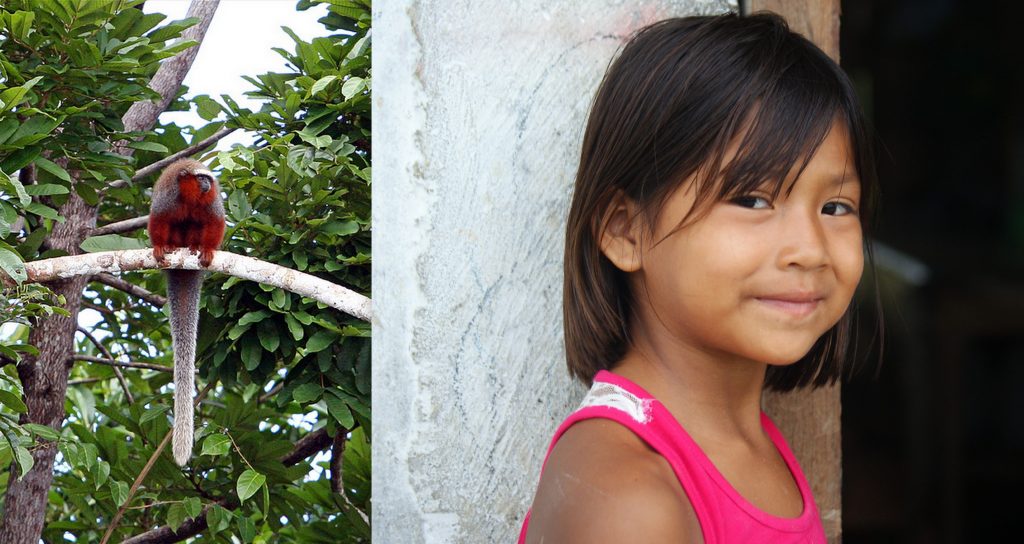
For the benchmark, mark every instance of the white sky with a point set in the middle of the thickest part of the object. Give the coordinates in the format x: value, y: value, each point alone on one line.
x: 238, y: 43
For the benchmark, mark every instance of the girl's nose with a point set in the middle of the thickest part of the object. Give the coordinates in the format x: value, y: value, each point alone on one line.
x: 802, y: 240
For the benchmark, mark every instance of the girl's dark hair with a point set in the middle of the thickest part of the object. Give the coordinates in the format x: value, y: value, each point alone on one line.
x: 681, y: 91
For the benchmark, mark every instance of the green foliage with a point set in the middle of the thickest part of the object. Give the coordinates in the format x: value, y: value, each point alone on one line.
x: 68, y: 72
x: 285, y: 366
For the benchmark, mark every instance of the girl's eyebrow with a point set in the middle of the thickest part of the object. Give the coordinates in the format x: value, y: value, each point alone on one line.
x: 843, y: 179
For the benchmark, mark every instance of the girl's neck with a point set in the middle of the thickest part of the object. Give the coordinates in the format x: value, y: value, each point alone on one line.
x: 711, y: 395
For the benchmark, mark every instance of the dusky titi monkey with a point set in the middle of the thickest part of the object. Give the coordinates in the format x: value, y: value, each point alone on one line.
x: 187, y: 211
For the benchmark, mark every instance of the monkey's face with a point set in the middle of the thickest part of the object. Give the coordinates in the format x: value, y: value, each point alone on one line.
x: 203, y: 178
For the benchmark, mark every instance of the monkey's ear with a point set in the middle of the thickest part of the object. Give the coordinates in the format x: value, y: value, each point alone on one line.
x: 621, y: 232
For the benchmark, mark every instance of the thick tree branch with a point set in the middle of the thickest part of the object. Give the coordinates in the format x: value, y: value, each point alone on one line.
x: 117, y: 371
x: 115, y: 363
x: 131, y: 289
x: 243, y: 267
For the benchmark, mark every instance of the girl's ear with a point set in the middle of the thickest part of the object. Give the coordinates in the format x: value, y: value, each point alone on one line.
x: 621, y: 230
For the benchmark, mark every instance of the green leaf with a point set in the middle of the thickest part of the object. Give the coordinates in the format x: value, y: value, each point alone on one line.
x: 269, y: 338
x: 249, y: 483
x: 24, y: 458
x: 42, y: 431
x: 207, y: 107
x: 88, y: 193
x: 246, y: 529
x: 339, y: 410
x: 216, y: 444
x: 320, y: 341
x: 43, y: 210
x: 12, y: 401
x: 341, y: 228
x: 21, y: 22
x: 148, y: 146
x: 152, y: 413
x: 307, y: 392
x: 10, y: 262
x: 110, y: 242
x: 294, y: 327
x: 72, y: 454
x: 238, y: 205
x: 217, y: 518
x: 101, y: 473
x: 47, y: 189
x: 193, y: 506
x: 352, y: 87
x: 253, y: 317
x: 322, y: 84
x: 16, y: 186
x: 45, y: 164
x: 176, y: 515
x: 251, y: 354
x: 118, y: 492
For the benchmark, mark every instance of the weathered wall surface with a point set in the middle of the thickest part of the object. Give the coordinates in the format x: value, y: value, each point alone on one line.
x: 479, y: 109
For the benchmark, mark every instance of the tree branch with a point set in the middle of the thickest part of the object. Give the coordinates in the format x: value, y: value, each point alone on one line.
x: 337, y: 454
x: 248, y: 268
x: 131, y: 289
x: 119, y: 227
x: 114, y: 363
x: 306, y: 446
x: 141, y: 173
x: 117, y: 371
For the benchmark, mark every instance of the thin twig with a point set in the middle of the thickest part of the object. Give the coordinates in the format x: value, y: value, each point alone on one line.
x: 130, y: 288
x: 130, y: 364
x: 239, y: 450
x: 273, y: 391
x: 145, y: 471
x: 117, y: 371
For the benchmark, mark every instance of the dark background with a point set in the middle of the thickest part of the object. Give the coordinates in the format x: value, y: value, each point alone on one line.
x: 933, y: 446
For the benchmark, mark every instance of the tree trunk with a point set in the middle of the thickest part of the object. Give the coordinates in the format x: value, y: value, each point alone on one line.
x: 810, y: 419
x: 45, y: 378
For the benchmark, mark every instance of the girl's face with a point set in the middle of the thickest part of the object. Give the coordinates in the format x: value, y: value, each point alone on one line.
x: 757, y: 277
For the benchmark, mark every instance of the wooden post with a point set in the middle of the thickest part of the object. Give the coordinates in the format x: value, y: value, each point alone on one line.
x: 810, y: 419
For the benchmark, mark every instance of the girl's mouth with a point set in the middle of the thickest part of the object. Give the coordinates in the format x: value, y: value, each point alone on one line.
x: 795, y: 305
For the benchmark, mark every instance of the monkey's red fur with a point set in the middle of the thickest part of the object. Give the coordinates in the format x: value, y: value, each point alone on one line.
x: 186, y: 211
x: 191, y: 221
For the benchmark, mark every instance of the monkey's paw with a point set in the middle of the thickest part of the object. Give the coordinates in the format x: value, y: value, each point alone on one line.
x: 158, y: 254
x: 205, y: 257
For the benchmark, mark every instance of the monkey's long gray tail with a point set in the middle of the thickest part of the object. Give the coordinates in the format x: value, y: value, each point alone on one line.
x: 183, y: 294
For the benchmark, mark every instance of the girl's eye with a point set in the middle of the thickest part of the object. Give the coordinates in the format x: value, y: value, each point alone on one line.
x: 752, y: 201
x: 838, y: 208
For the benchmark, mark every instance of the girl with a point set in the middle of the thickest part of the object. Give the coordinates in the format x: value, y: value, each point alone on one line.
x: 713, y: 246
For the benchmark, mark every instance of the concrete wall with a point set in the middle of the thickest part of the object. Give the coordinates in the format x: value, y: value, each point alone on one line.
x: 479, y: 109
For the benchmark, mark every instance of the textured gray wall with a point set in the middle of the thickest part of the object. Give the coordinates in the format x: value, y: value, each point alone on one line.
x: 479, y: 109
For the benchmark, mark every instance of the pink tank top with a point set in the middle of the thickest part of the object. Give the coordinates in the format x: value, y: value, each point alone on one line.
x: 725, y: 516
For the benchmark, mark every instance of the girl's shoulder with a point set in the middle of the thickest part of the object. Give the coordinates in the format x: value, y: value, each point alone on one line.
x: 603, y: 483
